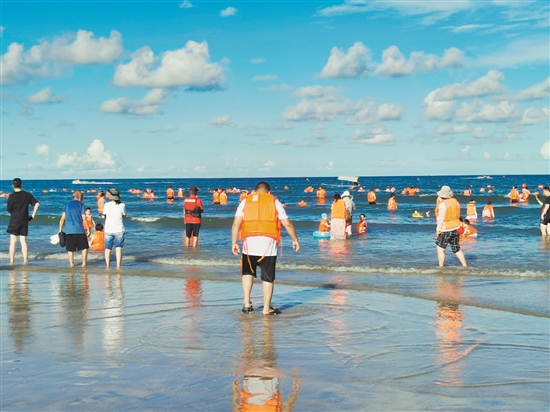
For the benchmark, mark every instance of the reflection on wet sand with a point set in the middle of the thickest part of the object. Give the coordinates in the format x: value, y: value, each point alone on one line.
x: 261, y: 379
x: 449, y: 319
x: 20, y: 309
x: 113, y: 315
x: 74, y: 294
x: 192, y: 296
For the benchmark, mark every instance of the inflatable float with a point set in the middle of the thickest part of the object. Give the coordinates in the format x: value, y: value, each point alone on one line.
x: 321, y: 235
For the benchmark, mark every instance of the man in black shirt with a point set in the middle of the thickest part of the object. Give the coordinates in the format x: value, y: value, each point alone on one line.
x: 18, y: 208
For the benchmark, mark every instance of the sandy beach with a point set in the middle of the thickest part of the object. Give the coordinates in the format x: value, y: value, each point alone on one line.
x: 87, y: 341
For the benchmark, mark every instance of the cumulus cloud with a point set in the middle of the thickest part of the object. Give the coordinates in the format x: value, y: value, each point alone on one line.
x: 377, y: 136
x: 186, y: 5
x: 481, y: 112
x: 186, y: 67
x: 465, y: 152
x: 48, y: 58
x: 394, y: 63
x: 230, y: 11
x: 96, y: 159
x: 330, y: 165
x: 452, y: 129
x: 479, y: 133
x: 281, y: 142
x: 545, y: 151
x: 222, y: 121
x: 487, y: 156
x: 265, y: 78
x: 257, y: 60
x: 150, y: 104
x: 353, y: 64
x: 534, y: 115
x: 45, y: 96
x: 321, y: 103
x: 356, y: 61
x: 489, y: 84
x: 270, y: 164
x: 535, y: 92
x: 42, y: 150
x: 531, y: 50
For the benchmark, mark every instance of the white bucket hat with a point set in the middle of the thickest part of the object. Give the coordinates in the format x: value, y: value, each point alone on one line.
x: 445, y: 192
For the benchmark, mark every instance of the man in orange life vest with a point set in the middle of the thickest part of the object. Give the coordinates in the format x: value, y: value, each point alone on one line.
x: 447, y: 224
x: 192, y: 210
x: 258, y: 220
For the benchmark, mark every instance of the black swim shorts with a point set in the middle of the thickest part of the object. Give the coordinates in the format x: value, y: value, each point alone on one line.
x: 249, y: 266
x: 446, y: 238
x: 76, y: 242
x: 192, y: 229
x: 18, y: 228
x: 546, y: 219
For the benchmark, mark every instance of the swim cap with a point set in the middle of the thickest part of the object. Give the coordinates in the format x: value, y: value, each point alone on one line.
x: 324, y: 215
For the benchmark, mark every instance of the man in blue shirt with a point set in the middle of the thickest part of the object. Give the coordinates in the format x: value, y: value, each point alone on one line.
x: 73, y: 219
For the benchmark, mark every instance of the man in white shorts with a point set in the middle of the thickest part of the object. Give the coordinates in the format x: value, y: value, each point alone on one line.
x: 258, y: 219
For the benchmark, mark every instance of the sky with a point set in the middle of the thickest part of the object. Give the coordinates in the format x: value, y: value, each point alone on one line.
x: 189, y: 88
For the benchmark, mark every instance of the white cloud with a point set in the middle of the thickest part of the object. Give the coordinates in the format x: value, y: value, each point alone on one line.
x: 141, y: 169
x: 489, y: 84
x: 47, y: 58
x: 376, y: 136
x: 535, y: 92
x: 265, y: 78
x: 519, y: 52
x: 199, y: 169
x: 42, y: 150
x: 352, y: 64
x: 545, y: 151
x: 150, y: 104
x: 185, y: 67
x: 481, y: 112
x: 274, y: 88
x: 394, y: 63
x: 534, y: 115
x: 96, y: 159
x: 45, y: 96
x: 468, y: 27
x: 186, y: 5
x: 330, y: 165
x: 452, y: 129
x: 487, y: 156
x: 511, y: 156
x: 390, y: 112
x: 281, y: 142
x: 257, y: 60
x: 270, y: 164
x: 465, y: 151
x: 230, y: 11
x: 221, y: 121
x: 479, y: 133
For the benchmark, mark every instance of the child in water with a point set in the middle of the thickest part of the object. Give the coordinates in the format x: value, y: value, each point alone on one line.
x: 417, y: 214
x: 361, y: 227
x: 469, y: 230
x: 88, y: 223
x: 97, y: 243
x: 324, y: 224
x: 488, y: 211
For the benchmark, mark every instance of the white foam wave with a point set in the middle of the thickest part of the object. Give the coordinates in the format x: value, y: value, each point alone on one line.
x: 145, y: 219
x: 91, y: 182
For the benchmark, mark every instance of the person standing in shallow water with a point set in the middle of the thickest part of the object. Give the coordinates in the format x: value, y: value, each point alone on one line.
x: 192, y: 212
x: 72, y: 218
x: 447, y: 224
x: 258, y: 220
x: 115, y: 213
x: 18, y: 227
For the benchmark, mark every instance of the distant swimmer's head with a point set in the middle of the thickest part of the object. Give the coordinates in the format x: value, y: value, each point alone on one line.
x: 445, y: 192
x: 362, y: 216
x: 337, y: 196
x: 263, y: 187
x: 193, y: 190
x: 98, y: 227
x: 466, y: 221
x: 324, y: 216
x: 472, y: 201
x: 16, y: 183
x: 113, y: 194
x: 392, y: 195
x: 489, y: 202
x: 546, y: 190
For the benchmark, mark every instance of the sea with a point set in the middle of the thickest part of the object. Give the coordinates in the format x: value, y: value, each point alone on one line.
x: 509, y: 262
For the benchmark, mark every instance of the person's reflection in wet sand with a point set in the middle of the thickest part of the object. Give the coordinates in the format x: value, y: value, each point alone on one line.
x: 20, y: 309
x: 449, y: 320
x: 260, y: 386
x: 75, y: 299
x: 113, y: 315
x: 192, y: 294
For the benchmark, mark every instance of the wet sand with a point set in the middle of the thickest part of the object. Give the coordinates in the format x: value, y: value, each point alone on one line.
x: 89, y: 341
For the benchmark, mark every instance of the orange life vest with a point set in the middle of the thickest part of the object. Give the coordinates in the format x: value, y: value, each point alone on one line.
x: 338, y: 210
x: 471, y: 209
x: 88, y: 222
x: 223, y: 197
x: 216, y: 197
x: 437, y: 203
x: 170, y: 193
x: 98, y: 242
x: 452, y: 214
x: 260, y: 217
x: 525, y: 194
x: 467, y: 192
x: 323, y: 227
x: 321, y: 193
x: 392, y: 204
x: 100, y: 204
x: 488, y: 211
x: 514, y: 194
x: 180, y: 193
x: 361, y: 228
x: 371, y: 197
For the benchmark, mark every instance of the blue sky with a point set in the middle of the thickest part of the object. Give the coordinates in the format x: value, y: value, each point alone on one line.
x: 252, y: 89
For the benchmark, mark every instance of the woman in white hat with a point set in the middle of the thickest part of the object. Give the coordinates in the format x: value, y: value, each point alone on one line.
x: 114, y: 212
x: 350, y: 207
x: 447, y: 224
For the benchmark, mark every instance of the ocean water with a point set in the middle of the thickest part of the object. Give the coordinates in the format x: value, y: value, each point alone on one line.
x: 398, y: 251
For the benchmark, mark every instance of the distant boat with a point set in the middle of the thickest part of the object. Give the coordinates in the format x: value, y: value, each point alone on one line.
x: 354, y: 179
x: 76, y: 182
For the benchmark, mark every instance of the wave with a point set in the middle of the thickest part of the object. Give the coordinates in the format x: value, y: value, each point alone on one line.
x: 148, y: 219
x: 91, y: 182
